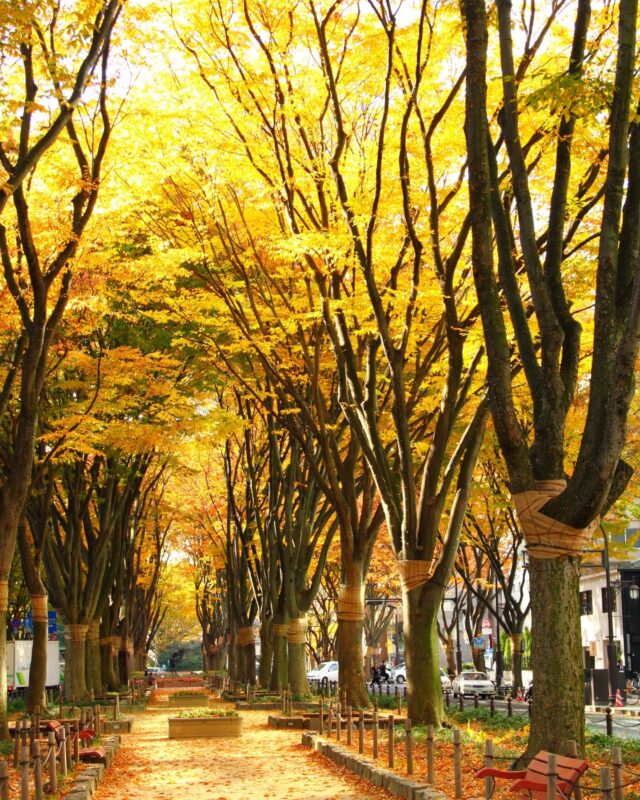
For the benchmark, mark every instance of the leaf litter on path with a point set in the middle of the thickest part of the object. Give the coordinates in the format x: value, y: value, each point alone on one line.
x: 262, y: 763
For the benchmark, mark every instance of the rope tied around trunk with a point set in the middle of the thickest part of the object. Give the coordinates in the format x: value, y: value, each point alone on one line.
x: 76, y: 632
x: 350, y: 604
x: 245, y: 636
x: 414, y: 573
x: 280, y: 628
x: 545, y: 536
x: 297, y: 631
x: 4, y: 595
x: 39, y: 608
x: 93, y: 634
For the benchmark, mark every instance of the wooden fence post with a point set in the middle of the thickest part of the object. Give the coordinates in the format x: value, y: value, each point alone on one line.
x: 552, y: 777
x: 618, y: 780
x: 37, y: 769
x: 24, y: 773
x: 4, y: 780
x: 408, y: 739
x: 321, y: 710
x: 605, y: 783
x: 457, y: 763
x: 63, y: 751
x: 430, y: 755
x: 338, y: 721
x: 53, y: 763
x: 349, y: 723
x: 488, y: 762
x: 391, y: 739
x: 16, y: 743
x: 374, y: 733
x: 68, y: 744
x: 361, y: 731
x: 572, y: 751
x: 76, y: 741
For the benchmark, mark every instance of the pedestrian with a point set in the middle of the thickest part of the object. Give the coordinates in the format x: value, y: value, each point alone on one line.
x: 375, y: 675
x: 382, y: 671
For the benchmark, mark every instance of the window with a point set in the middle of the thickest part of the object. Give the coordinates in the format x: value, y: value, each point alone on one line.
x: 612, y: 596
x: 586, y: 602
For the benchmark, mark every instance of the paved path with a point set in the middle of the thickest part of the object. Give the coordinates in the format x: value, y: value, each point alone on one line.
x: 262, y: 763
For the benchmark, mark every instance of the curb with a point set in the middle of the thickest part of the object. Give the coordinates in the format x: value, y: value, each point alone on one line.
x: 366, y: 769
x: 623, y: 711
x: 86, y: 781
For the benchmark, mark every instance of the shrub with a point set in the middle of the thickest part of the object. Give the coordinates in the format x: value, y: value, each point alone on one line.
x: 201, y: 713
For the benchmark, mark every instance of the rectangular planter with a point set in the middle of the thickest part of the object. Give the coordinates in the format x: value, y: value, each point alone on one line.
x: 116, y: 725
x: 204, y: 727
x: 189, y: 701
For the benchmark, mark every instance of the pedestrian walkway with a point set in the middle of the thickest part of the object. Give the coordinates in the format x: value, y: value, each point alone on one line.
x: 262, y: 763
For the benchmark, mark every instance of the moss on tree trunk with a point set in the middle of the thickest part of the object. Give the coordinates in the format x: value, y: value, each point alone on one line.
x: 556, y: 655
x: 298, y: 668
x: 75, y: 685
x: 351, y: 660
x: 279, y: 671
x: 36, y: 693
x: 93, y: 661
x: 420, y: 608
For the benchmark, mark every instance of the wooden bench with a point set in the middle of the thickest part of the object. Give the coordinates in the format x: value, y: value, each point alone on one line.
x: 533, y: 781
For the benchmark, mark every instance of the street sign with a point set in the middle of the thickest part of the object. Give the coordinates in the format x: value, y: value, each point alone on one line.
x: 479, y: 642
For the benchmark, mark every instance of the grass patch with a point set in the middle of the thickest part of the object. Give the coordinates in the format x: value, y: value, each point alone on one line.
x: 497, y: 722
x: 17, y: 704
x: 386, y: 702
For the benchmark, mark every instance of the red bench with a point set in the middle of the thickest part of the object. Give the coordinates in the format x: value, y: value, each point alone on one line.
x: 532, y: 782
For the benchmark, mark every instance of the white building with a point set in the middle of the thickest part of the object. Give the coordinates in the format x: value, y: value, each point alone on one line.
x: 623, y: 621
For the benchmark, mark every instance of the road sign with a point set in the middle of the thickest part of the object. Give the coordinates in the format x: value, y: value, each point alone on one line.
x: 479, y: 642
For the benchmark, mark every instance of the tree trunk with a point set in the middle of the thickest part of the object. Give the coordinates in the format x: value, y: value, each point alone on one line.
x: 296, y: 653
x: 247, y: 658
x: 556, y: 655
x: 279, y: 671
x: 419, y: 612
x: 106, y: 666
x: 37, y: 693
x: 75, y: 685
x: 351, y: 660
x: 93, y: 663
x: 350, y: 634
x: 516, y: 660
x: 266, y: 653
x: 449, y: 654
x: 477, y: 656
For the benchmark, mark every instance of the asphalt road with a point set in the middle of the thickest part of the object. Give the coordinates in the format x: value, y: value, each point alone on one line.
x: 623, y: 726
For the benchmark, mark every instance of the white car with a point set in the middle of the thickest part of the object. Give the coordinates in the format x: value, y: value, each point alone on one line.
x: 473, y: 683
x: 325, y: 673
x: 399, y: 675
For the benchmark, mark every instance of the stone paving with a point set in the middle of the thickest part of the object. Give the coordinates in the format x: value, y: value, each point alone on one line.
x: 262, y: 763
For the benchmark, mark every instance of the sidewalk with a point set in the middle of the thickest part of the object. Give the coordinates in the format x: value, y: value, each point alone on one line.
x: 262, y: 763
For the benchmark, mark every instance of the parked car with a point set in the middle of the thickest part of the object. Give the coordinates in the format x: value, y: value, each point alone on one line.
x: 399, y: 675
x: 325, y: 673
x: 473, y: 683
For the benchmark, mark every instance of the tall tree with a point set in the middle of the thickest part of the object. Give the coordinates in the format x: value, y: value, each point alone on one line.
x: 36, y: 268
x: 558, y: 505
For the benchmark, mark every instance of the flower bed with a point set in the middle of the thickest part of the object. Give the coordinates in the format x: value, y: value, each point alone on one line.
x: 205, y: 724
x: 189, y: 700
